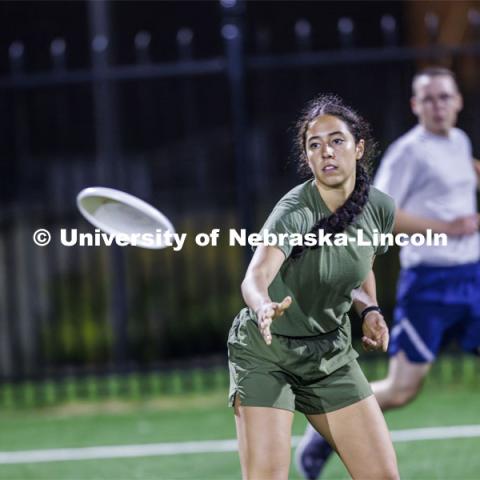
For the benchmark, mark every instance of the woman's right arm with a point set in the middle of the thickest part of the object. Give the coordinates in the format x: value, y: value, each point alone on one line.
x: 265, y: 264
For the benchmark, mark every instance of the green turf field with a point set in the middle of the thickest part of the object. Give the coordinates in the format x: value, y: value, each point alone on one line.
x: 205, y: 417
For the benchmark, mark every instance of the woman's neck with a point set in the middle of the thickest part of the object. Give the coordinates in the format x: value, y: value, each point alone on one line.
x: 335, y: 197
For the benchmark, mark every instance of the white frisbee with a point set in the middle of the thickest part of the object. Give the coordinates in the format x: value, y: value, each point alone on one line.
x: 119, y: 213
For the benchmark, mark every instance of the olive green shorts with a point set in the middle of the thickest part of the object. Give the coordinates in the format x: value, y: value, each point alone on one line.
x: 313, y: 375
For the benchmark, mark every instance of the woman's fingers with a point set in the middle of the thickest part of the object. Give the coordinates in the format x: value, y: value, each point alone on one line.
x: 265, y: 330
x: 264, y: 325
x: 382, y: 337
x: 264, y: 316
x: 385, y: 340
x: 268, y: 313
x: 379, y: 341
x: 265, y: 322
x: 282, y: 306
x: 380, y: 334
x: 267, y: 336
x: 369, y: 344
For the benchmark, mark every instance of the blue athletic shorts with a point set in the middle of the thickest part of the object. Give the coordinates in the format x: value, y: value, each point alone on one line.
x: 434, y: 306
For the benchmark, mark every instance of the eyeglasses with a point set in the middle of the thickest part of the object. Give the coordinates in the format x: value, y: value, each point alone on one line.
x: 443, y: 98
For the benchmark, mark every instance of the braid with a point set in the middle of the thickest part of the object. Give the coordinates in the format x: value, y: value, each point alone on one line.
x: 346, y: 214
x: 337, y: 222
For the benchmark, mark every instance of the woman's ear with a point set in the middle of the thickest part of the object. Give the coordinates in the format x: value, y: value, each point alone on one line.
x: 359, y: 149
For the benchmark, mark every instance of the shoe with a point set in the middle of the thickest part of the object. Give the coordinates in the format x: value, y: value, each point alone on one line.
x: 312, y: 454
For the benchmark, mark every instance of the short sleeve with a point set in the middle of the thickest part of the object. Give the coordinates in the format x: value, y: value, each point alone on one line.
x: 283, y: 222
x: 397, y: 173
x: 387, y: 217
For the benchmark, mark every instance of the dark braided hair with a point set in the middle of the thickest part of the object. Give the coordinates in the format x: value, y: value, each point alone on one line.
x: 346, y: 214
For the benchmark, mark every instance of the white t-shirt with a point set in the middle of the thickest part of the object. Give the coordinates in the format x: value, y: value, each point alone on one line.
x: 433, y: 176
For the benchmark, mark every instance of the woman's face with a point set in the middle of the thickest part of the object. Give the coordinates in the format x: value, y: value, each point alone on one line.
x: 331, y: 152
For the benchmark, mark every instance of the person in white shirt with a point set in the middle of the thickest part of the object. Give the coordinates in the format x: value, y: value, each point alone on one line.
x: 432, y: 176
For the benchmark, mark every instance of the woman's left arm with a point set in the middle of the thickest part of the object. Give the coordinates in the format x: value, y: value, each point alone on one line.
x: 375, y: 330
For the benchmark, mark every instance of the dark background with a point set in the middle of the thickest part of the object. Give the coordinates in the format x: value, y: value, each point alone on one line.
x: 200, y: 126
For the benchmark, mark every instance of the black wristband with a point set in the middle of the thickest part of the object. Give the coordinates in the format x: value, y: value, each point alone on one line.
x: 373, y: 308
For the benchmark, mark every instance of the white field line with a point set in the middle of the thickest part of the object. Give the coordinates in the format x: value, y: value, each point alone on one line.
x: 212, y: 446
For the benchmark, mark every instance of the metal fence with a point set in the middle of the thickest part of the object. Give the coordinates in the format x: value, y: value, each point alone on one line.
x: 208, y: 141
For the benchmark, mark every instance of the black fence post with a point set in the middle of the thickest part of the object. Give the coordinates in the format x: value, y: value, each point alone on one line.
x: 105, y: 114
x: 303, y: 35
x: 388, y: 25
x: 57, y: 205
x: 473, y: 17
x: 303, y: 40
x: 146, y: 103
x: 232, y: 33
x: 263, y: 105
x: 194, y: 143
x: 23, y: 171
x: 432, y: 24
x: 346, y: 32
x: 21, y: 247
x: 184, y: 40
x: 262, y: 93
x: 58, y: 49
x: 109, y: 166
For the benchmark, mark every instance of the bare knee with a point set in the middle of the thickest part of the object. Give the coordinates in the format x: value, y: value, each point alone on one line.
x: 393, y: 393
x: 264, y: 441
x: 266, y: 464
x: 404, y: 382
x: 401, y: 395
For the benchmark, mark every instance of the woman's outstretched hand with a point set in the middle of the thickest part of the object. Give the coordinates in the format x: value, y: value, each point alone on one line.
x: 267, y: 312
x: 375, y: 332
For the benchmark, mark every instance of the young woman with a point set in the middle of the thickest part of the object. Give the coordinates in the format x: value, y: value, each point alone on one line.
x: 438, y: 291
x: 290, y: 348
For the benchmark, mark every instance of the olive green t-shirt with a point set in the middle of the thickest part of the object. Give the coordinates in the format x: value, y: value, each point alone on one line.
x: 321, y: 280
